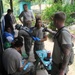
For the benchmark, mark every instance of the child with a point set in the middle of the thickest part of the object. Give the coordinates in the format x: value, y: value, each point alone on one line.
x: 38, y: 32
x: 8, y: 38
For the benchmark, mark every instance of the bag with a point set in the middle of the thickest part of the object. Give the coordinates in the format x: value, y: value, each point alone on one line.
x: 71, y: 59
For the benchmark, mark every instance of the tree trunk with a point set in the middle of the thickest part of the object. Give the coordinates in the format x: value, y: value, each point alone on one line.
x: 40, y: 7
x: 11, y: 5
x: 72, y: 1
x: 40, y: 2
x: 55, y: 1
x: 1, y: 9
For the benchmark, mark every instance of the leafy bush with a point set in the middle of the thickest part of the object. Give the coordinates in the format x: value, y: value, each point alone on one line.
x: 49, y: 11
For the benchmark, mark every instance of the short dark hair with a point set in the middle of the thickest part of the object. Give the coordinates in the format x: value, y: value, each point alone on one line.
x: 37, y: 19
x: 18, y: 42
x: 60, y: 16
x: 9, y: 11
x: 24, y: 5
x: 6, y: 29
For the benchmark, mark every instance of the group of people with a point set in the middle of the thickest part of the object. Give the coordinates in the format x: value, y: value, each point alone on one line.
x: 61, y: 51
x: 37, y: 31
x: 12, y: 59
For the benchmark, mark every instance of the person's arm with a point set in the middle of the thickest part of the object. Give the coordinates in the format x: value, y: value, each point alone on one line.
x: 20, y: 17
x: 25, y: 62
x: 44, y: 39
x: 32, y: 16
x: 51, y: 31
x: 66, y: 51
x: 18, y: 63
x: 23, y: 65
x: 66, y: 48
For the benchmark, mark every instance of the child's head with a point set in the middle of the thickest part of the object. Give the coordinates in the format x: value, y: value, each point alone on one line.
x: 18, y: 42
x: 38, y: 23
x: 8, y: 29
x: 59, y: 19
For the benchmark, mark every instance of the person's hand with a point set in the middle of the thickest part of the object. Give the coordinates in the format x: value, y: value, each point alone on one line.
x: 38, y: 39
x: 45, y: 29
x: 61, y: 72
x: 34, y: 38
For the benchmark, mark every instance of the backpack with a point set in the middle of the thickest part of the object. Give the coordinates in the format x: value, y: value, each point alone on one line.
x: 71, y: 59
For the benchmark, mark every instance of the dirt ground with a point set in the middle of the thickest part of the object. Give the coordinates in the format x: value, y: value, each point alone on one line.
x: 49, y: 46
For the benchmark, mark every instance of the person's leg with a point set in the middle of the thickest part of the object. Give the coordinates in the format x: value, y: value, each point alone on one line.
x: 30, y: 69
x: 21, y: 73
x: 27, y: 44
x: 36, y: 48
x: 55, y: 69
x: 66, y: 70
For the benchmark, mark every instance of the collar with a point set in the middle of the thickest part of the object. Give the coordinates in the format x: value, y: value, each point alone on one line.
x: 61, y: 28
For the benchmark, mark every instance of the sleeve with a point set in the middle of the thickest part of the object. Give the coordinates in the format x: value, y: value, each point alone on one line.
x: 21, y: 15
x: 66, y: 37
x: 19, y: 62
x: 21, y: 65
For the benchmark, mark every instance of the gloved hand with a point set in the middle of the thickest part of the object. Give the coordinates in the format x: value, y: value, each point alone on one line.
x: 38, y: 39
x: 26, y: 66
x: 34, y: 38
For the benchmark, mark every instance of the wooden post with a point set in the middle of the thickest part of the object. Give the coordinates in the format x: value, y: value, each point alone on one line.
x: 11, y: 5
x: 72, y: 1
x: 55, y: 1
x: 1, y: 8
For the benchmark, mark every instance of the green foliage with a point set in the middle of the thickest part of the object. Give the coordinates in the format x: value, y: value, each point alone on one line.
x: 25, y: 0
x: 6, y: 5
x: 48, y: 1
x: 49, y: 11
x: 35, y: 2
x: 16, y: 7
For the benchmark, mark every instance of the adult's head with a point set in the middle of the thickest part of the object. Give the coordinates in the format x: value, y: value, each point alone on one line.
x: 9, y: 11
x: 38, y: 23
x: 18, y: 43
x: 59, y: 19
x: 25, y: 6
